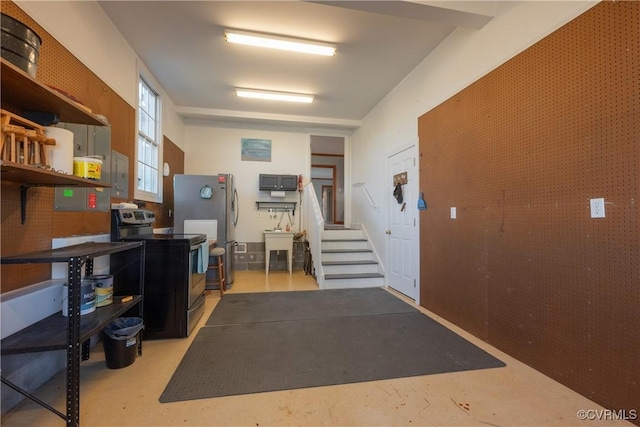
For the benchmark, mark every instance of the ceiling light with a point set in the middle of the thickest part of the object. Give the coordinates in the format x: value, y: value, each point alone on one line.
x: 274, y: 96
x: 282, y: 43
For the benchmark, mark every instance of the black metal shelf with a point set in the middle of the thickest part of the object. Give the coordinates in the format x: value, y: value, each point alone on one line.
x: 51, y: 333
x: 72, y: 333
x: 64, y: 254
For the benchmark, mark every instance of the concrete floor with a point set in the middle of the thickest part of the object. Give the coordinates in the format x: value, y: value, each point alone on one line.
x: 512, y: 396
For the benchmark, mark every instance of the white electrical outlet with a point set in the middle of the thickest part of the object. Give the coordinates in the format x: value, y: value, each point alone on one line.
x: 597, y: 208
x: 453, y: 213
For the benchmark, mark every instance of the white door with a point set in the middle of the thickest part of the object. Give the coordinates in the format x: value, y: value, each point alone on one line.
x: 402, y: 230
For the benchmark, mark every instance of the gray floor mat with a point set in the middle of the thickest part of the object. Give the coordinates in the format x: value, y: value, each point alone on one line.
x: 298, y: 305
x: 258, y: 357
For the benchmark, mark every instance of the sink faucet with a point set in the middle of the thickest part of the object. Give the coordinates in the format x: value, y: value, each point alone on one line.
x: 278, y: 228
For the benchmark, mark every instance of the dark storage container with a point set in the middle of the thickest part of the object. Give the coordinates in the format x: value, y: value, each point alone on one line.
x: 19, y: 44
x: 120, y: 341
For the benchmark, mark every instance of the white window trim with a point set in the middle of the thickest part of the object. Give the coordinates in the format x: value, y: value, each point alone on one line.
x: 142, y: 195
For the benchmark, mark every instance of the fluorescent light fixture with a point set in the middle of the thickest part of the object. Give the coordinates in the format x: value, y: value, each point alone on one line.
x: 274, y: 96
x: 278, y: 42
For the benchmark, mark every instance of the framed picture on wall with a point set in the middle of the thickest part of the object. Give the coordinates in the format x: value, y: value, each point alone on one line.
x: 256, y: 150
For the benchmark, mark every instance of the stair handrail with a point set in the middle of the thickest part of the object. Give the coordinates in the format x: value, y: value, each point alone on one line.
x: 361, y: 184
x: 315, y: 224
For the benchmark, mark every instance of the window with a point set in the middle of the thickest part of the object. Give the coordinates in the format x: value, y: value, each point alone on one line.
x: 148, y: 144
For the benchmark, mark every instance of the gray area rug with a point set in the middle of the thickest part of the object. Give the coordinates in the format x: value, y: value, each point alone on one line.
x: 300, y: 305
x: 242, y: 358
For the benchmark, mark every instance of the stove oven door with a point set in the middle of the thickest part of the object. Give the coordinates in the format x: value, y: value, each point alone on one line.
x: 196, y: 280
x: 195, y: 288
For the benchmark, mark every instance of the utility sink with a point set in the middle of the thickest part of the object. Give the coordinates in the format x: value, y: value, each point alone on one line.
x: 278, y: 240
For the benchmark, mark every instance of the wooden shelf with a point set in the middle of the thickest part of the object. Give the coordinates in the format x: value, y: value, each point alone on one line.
x: 33, y: 176
x: 30, y: 176
x: 20, y: 90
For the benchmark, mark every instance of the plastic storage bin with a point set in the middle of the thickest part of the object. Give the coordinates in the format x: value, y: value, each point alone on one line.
x: 88, y: 167
x: 120, y: 341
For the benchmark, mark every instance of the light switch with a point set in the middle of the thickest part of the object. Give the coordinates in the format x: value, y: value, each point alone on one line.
x: 453, y: 213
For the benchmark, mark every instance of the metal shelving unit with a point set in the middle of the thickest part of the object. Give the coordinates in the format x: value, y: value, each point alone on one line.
x: 72, y: 333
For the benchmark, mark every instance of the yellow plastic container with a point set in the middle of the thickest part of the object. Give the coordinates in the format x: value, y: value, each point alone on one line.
x: 89, y: 167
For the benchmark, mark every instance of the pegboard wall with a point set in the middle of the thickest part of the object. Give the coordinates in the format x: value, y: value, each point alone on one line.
x: 174, y: 156
x: 58, y: 68
x: 520, y: 153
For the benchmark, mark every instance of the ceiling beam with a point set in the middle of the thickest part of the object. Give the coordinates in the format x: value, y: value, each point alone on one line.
x: 282, y: 119
x: 468, y: 14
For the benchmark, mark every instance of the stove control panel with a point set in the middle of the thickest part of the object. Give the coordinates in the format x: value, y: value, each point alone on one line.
x: 135, y: 216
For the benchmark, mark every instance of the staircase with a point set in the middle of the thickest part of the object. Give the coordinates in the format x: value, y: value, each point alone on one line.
x: 348, y: 261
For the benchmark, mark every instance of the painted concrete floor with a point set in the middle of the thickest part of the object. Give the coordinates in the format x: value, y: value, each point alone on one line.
x: 512, y: 396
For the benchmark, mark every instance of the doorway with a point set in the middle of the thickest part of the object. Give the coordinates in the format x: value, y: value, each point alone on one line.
x: 327, y: 203
x: 328, y: 176
x: 402, y: 225
x: 323, y: 178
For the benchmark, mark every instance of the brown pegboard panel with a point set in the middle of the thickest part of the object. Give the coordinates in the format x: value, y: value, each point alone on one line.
x: 57, y: 67
x: 520, y: 152
x: 78, y: 223
x: 27, y: 237
x: 174, y: 156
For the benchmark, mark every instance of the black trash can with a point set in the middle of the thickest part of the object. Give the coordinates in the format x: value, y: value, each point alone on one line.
x: 120, y: 341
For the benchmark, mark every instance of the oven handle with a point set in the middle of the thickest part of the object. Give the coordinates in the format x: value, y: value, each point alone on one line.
x: 195, y: 247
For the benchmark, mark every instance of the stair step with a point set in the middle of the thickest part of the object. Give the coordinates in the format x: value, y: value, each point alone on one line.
x: 344, y: 251
x: 350, y: 266
x: 363, y: 262
x: 353, y: 276
x: 344, y: 244
x: 348, y: 260
x: 346, y: 256
x: 345, y: 240
x: 342, y: 234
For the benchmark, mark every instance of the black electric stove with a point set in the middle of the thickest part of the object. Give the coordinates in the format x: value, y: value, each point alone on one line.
x: 174, y: 286
x: 192, y: 239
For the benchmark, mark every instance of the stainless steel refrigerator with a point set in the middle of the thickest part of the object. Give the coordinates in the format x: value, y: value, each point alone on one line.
x: 209, y: 197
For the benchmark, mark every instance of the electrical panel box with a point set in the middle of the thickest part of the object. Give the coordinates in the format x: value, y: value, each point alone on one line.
x: 119, y: 175
x: 88, y: 141
x: 270, y: 182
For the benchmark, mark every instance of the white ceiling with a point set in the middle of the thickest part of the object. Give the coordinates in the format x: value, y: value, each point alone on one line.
x: 379, y: 43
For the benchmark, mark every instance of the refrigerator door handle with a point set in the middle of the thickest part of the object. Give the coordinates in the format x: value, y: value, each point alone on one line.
x: 235, y: 206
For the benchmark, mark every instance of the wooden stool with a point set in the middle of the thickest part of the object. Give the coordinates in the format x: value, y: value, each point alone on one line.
x: 218, y: 254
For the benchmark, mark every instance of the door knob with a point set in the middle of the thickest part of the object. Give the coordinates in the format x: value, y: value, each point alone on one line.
x: 388, y: 232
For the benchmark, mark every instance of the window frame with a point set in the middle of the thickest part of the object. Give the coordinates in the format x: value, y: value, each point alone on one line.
x: 143, y: 195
